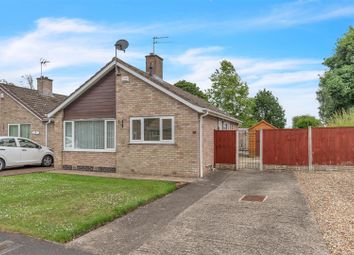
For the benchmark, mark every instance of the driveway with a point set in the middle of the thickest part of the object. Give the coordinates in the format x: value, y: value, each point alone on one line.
x: 207, y: 218
x: 17, y: 244
x: 24, y: 170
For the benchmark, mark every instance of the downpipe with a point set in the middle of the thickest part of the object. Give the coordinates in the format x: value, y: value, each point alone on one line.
x: 201, y: 170
x: 46, y: 131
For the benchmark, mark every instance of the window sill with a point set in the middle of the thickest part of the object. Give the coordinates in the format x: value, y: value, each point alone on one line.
x: 150, y: 143
x: 83, y: 150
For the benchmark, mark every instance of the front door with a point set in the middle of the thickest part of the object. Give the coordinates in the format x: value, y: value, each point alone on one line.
x: 30, y: 152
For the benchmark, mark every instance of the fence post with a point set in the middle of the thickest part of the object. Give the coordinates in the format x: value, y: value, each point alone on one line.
x: 261, y: 150
x: 237, y: 148
x: 310, y: 148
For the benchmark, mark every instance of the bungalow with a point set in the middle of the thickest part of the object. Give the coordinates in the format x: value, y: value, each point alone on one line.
x: 23, y: 110
x: 130, y: 121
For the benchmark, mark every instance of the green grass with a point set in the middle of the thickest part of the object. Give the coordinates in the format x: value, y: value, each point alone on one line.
x: 345, y: 119
x: 59, y: 207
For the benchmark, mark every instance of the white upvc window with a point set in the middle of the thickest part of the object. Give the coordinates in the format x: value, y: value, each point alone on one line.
x: 90, y: 135
x: 19, y: 130
x: 152, y: 129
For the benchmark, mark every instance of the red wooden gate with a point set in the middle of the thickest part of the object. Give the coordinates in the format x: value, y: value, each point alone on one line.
x: 225, y: 146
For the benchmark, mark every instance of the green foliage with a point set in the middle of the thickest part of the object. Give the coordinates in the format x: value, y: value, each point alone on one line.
x: 229, y: 93
x: 59, y: 207
x: 266, y: 107
x: 305, y: 121
x: 191, y: 88
x: 336, y: 88
x: 345, y: 119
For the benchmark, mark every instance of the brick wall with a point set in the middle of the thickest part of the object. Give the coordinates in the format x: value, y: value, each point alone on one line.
x: 209, y: 125
x: 13, y: 113
x: 89, y: 161
x: 137, y: 99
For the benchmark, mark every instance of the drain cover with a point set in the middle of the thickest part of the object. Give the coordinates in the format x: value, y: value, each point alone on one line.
x: 253, y: 198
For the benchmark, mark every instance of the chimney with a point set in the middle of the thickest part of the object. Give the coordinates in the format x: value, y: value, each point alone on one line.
x: 154, y: 65
x: 45, y: 86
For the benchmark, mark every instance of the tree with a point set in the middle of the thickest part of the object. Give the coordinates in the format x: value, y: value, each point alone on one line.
x: 229, y: 93
x: 343, y: 119
x: 336, y: 88
x: 28, y: 79
x: 191, y: 88
x: 305, y: 121
x: 266, y: 107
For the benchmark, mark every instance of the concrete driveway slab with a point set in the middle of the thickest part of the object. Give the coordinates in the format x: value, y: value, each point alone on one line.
x: 220, y: 224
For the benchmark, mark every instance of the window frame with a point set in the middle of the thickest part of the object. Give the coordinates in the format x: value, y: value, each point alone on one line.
x: 72, y: 148
x: 19, y: 129
x: 142, y: 125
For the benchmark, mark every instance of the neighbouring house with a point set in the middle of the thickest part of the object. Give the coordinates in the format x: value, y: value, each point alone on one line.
x: 23, y: 110
x: 253, y: 137
x: 130, y: 121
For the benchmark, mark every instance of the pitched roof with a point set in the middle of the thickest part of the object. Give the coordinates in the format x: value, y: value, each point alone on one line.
x: 263, y: 122
x: 176, y: 90
x: 31, y: 99
x: 185, y: 96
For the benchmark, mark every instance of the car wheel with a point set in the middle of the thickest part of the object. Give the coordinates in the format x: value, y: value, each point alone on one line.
x: 2, y: 164
x: 47, y: 161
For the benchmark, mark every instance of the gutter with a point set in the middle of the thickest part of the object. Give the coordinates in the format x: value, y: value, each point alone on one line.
x: 223, y: 116
x: 201, y: 163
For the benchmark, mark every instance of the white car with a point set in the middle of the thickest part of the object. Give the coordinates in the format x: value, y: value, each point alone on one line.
x: 17, y: 151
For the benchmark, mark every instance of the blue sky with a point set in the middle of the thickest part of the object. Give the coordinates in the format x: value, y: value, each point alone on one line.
x: 277, y: 45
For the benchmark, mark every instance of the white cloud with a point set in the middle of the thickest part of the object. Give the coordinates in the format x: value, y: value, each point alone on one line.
x: 65, y: 43
x: 298, y: 13
x: 273, y: 79
x: 293, y: 81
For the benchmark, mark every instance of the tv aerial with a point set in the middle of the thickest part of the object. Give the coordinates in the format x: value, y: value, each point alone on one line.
x: 121, y: 45
x: 43, y: 63
x: 157, y: 40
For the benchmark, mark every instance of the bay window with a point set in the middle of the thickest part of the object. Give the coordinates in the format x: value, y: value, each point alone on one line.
x: 89, y: 135
x: 152, y: 130
x: 20, y: 130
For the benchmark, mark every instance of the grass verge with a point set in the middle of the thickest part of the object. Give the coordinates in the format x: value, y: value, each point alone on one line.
x: 60, y: 207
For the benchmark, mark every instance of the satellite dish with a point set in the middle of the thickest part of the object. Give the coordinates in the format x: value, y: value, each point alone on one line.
x: 121, y: 45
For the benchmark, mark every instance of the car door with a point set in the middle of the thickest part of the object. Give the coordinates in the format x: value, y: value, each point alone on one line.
x: 30, y: 151
x: 10, y: 152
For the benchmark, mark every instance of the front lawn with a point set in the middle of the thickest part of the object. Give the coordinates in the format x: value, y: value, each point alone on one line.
x: 59, y: 207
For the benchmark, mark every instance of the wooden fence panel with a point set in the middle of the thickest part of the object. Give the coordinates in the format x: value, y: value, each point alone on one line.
x: 285, y: 147
x: 333, y: 146
x: 225, y: 146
